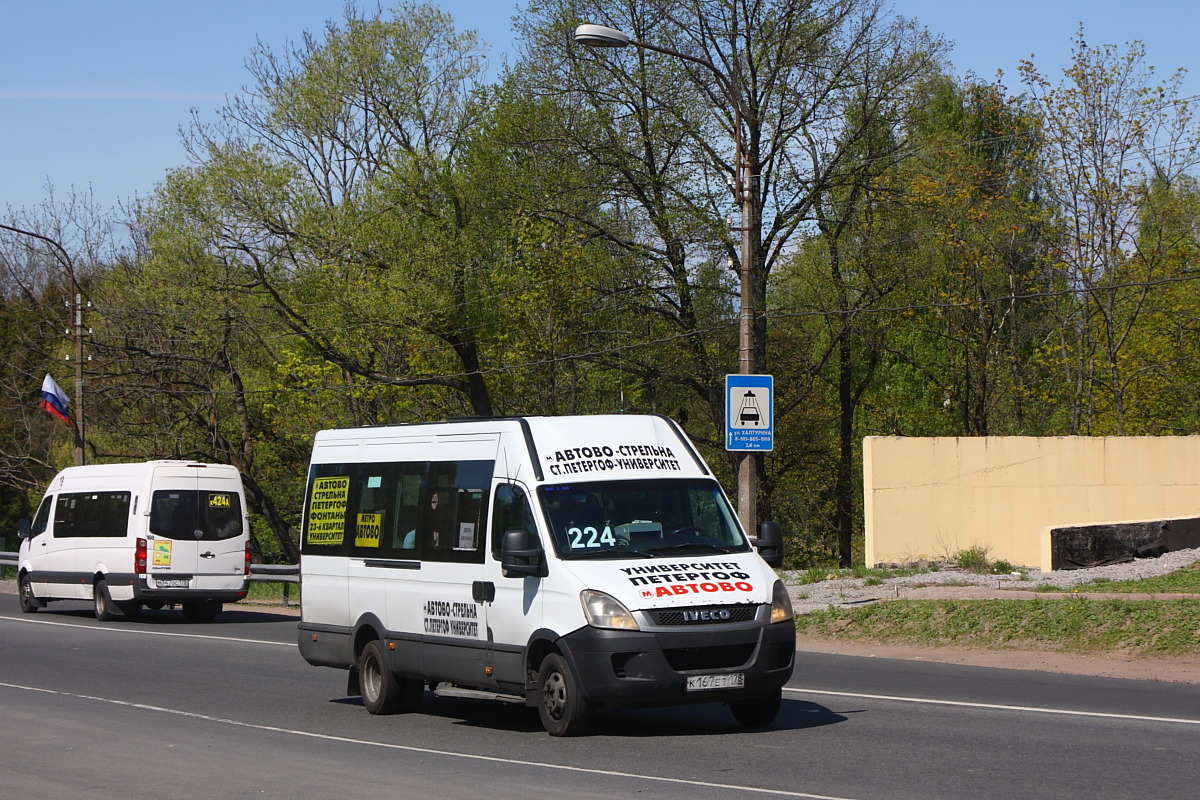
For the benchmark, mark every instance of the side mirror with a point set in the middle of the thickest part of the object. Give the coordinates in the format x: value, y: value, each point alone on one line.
x: 23, y: 529
x: 518, y: 559
x: 770, y: 544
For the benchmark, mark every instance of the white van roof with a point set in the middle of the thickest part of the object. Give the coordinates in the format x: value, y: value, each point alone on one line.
x: 98, y: 476
x: 566, y: 448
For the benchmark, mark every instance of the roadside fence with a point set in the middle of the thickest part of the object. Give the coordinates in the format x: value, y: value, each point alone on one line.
x: 287, y: 574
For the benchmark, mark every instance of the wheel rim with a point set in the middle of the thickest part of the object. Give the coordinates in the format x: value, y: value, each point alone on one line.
x: 371, y: 680
x: 554, y: 694
x: 99, y: 598
x: 27, y: 591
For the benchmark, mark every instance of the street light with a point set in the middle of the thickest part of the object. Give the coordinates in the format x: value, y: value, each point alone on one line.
x: 743, y: 193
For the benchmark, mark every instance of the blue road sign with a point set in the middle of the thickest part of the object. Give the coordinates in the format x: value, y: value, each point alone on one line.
x: 749, y: 412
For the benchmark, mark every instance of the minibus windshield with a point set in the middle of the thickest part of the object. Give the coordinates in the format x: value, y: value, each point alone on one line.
x: 636, y: 519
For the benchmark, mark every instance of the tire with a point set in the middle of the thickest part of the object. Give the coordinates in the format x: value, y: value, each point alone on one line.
x: 561, y: 706
x: 202, y: 612
x: 757, y: 712
x: 382, y: 691
x: 102, y: 602
x: 29, y: 601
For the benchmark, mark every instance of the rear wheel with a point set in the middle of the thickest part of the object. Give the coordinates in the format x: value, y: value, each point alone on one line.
x: 757, y: 712
x: 562, y: 709
x: 102, y: 602
x: 29, y: 601
x: 382, y: 691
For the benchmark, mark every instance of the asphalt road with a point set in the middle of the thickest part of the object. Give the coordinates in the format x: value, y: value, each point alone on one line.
x: 162, y: 709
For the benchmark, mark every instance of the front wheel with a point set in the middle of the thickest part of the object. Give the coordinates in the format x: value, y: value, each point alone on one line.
x: 562, y: 708
x: 757, y: 712
x: 29, y: 601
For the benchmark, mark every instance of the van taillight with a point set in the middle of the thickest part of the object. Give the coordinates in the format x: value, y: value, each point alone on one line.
x: 246, y: 571
x: 139, y: 558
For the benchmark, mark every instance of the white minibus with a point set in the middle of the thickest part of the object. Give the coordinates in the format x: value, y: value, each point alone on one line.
x: 131, y: 535
x: 564, y: 563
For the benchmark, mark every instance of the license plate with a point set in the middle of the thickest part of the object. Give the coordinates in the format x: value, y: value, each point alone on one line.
x: 172, y: 583
x: 700, y: 683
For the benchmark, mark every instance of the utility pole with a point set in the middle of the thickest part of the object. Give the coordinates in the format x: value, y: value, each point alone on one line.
x: 77, y: 332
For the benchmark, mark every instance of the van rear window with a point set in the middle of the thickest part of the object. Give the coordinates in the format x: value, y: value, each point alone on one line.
x: 202, y: 515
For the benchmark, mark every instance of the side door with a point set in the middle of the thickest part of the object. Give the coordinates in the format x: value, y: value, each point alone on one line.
x: 516, y: 609
x: 454, y: 617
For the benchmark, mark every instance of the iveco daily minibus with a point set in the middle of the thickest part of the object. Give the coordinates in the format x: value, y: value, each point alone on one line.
x: 132, y: 535
x: 566, y: 563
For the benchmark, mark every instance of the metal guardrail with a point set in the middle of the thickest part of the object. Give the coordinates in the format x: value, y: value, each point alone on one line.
x: 287, y: 574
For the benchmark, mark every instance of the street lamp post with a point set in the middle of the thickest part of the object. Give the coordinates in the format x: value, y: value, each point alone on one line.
x: 743, y: 193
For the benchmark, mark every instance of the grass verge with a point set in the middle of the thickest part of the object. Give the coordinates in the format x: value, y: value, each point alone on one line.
x: 1186, y: 580
x: 1137, y: 627
x: 272, y: 592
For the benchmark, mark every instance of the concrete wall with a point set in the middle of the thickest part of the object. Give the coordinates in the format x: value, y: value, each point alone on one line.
x: 932, y: 497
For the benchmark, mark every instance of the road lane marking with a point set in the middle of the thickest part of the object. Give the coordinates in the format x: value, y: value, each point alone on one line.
x: 145, y: 632
x: 994, y: 706
x: 428, y: 750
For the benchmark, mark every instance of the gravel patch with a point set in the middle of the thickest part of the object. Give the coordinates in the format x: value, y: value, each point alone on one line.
x: 847, y: 592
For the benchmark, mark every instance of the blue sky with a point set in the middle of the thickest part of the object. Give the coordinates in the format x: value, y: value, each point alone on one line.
x: 92, y: 94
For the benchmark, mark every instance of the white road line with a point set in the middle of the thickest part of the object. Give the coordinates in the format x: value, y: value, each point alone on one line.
x: 430, y: 751
x: 994, y: 706
x: 145, y: 632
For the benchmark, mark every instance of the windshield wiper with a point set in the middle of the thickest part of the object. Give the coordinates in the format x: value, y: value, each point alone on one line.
x: 705, y: 546
x: 582, y: 554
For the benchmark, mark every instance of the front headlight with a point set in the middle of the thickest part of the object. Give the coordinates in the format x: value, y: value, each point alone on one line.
x: 781, y: 603
x: 605, y: 611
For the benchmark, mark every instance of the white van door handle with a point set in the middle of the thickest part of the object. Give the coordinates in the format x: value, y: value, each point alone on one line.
x: 208, y: 555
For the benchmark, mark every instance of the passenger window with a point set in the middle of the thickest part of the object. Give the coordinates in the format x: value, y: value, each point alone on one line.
x: 511, y: 512
x: 407, y: 510
x: 457, y: 510
x: 368, y: 522
x: 91, y: 514
x: 325, y: 511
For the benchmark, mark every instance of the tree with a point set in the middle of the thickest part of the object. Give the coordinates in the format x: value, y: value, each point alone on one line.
x: 1110, y: 129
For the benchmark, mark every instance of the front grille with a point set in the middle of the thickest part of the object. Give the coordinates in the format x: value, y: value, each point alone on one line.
x: 720, y: 657
x: 679, y: 616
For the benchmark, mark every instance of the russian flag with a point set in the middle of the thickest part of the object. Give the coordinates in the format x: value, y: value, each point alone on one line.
x: 54, y: 399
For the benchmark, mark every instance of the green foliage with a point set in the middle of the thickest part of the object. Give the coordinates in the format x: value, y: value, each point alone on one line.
x: 370, y: 233
x: 973, y: 559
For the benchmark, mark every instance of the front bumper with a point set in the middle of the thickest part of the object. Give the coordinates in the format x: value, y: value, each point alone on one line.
x: 634, y: 668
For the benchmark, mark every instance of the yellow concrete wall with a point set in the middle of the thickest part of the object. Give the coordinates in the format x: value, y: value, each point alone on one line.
x: 932, y: 497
